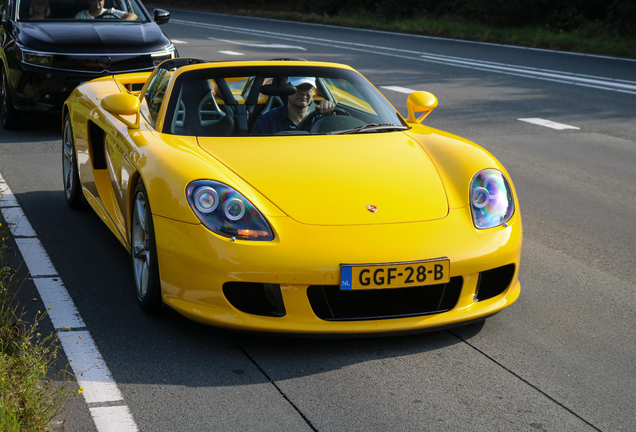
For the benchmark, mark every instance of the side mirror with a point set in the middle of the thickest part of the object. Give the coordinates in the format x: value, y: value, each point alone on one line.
x: 123, y: 105
x: 420, y: 101
x: 161, y: 16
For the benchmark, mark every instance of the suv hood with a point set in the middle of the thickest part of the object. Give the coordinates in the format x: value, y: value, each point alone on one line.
x: 95, y: 38
x: 322, y: 180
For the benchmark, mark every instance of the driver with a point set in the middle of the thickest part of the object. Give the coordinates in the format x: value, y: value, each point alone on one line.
x: 288, y: 117
x: 96, y: 10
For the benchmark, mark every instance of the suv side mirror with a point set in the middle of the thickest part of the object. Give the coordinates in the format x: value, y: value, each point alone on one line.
x: 160, y: 16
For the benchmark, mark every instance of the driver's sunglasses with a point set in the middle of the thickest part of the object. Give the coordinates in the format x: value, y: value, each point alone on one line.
x: 304, y: 88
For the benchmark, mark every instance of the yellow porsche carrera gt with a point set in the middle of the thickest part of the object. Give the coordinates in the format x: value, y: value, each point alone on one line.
x: 354, y: 220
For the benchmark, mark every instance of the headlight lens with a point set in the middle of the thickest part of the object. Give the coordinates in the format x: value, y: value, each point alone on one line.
x: 491, y: 199
x: 36, y: 58
x: 226, y: 212
x: 160, y: 56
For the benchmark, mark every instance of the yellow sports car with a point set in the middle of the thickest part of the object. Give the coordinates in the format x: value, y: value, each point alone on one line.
x: 237, y: 213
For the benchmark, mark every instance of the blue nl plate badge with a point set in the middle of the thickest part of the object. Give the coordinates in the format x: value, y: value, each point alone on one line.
x: 345, y: 278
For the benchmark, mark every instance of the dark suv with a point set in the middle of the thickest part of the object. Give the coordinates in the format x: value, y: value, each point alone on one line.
x: 47, y: 50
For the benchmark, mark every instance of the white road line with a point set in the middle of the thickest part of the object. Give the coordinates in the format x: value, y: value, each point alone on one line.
x: 86, y: 361
x: 232, y: 53
x: 398, y: 89
x: 63, y: 313
x: 113, y: 419
x: 548, y: 123
x: 260, y: 45
x: 602, y: 83
x: 89, y: 367
x: 177, y: 41
x: 18, y: 221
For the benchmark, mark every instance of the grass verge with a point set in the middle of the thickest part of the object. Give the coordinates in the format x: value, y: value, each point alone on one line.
x: 590, y: 38
x: 30, y: 398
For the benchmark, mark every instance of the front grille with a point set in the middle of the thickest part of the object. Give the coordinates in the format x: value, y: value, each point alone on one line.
x: 330, y: 303
x: 104, y: 63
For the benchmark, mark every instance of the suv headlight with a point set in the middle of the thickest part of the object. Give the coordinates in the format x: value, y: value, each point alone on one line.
x: 36, y: 58
x: 491, y: 201
x: 159, y: 56
x: 226, y: 212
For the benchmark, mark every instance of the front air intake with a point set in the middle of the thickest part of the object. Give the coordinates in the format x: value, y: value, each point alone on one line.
x: 255, y: 298
x: 494, y: 282
x: 330, y: 303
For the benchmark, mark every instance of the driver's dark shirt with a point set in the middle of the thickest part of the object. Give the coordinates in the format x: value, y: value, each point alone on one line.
x: 276, y: 120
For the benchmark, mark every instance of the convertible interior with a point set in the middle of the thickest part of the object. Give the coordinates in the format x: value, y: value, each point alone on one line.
x: 227, y: 101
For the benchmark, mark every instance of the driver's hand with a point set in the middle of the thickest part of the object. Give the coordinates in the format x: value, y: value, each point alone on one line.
x: 326, y: 107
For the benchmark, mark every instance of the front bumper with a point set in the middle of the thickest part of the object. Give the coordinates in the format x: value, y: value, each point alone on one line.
x: 195, y: 264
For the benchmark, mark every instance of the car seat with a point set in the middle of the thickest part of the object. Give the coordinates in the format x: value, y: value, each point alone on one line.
x: 202, y: 115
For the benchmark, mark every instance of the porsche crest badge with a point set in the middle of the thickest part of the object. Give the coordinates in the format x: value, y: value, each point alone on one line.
x: 372, y: 208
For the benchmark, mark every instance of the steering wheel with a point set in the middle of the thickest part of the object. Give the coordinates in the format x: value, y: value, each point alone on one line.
x: 309, y: 118
x: 107, y: 15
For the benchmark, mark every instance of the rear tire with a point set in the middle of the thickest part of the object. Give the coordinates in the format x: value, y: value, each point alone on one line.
x: 144, y: 253
x: 72, y: 186
x: 10, y: 117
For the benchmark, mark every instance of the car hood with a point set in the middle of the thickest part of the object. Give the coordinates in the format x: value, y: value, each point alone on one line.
x: 94, y: 38
x: 335, y: 180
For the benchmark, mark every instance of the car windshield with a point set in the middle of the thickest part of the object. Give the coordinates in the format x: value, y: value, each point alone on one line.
x: 239, y: 101
x: 80, y: 10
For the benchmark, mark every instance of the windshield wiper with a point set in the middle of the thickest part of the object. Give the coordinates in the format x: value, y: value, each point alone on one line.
x: 372, y: 127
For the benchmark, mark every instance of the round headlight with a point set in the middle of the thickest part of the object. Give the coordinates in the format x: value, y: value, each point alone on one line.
x: 480, y: 197
x: 224, y: 211
x: 234, y: 209
x: 491, y: 199
x: 206, y: 199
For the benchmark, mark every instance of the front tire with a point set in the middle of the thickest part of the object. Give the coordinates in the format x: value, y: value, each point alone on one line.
x: 10, y: 117
x: 72, y: 187
x: 144, y: 253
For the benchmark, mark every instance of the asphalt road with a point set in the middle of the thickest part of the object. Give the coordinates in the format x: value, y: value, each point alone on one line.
x: 560, y: 359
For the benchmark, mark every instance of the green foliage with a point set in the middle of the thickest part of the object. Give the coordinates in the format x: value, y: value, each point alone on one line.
x: 29, y: 397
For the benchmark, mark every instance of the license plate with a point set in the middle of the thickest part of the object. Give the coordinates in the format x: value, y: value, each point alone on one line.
x: 395, y: 275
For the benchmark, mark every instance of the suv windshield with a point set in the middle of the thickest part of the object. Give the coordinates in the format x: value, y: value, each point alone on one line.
x: 80, y: 10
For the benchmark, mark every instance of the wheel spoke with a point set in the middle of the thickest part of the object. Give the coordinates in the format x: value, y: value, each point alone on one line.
x: 140, y: 210
x: 143, y: 283
x: 140, y: 252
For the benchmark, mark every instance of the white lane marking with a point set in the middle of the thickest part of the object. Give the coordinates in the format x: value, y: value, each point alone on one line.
x: 602, y: 83
x: 87, y: 363
x: 232, y: 53
x: 35, y: 257
x: 398, y: 89
x: 259, y: 45
x: 17, y: 221
x: 515, y: 47
x: 63, y: 313
x: 544, y: 73
x: 548, y: 123
x: 6, y: 196
x: 113, y: 419
x: 89, y: 367
x: 177, y: 41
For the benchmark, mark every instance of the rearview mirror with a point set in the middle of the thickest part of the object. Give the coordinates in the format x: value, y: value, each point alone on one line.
x: 420, y: 102
x: 123, y: 105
